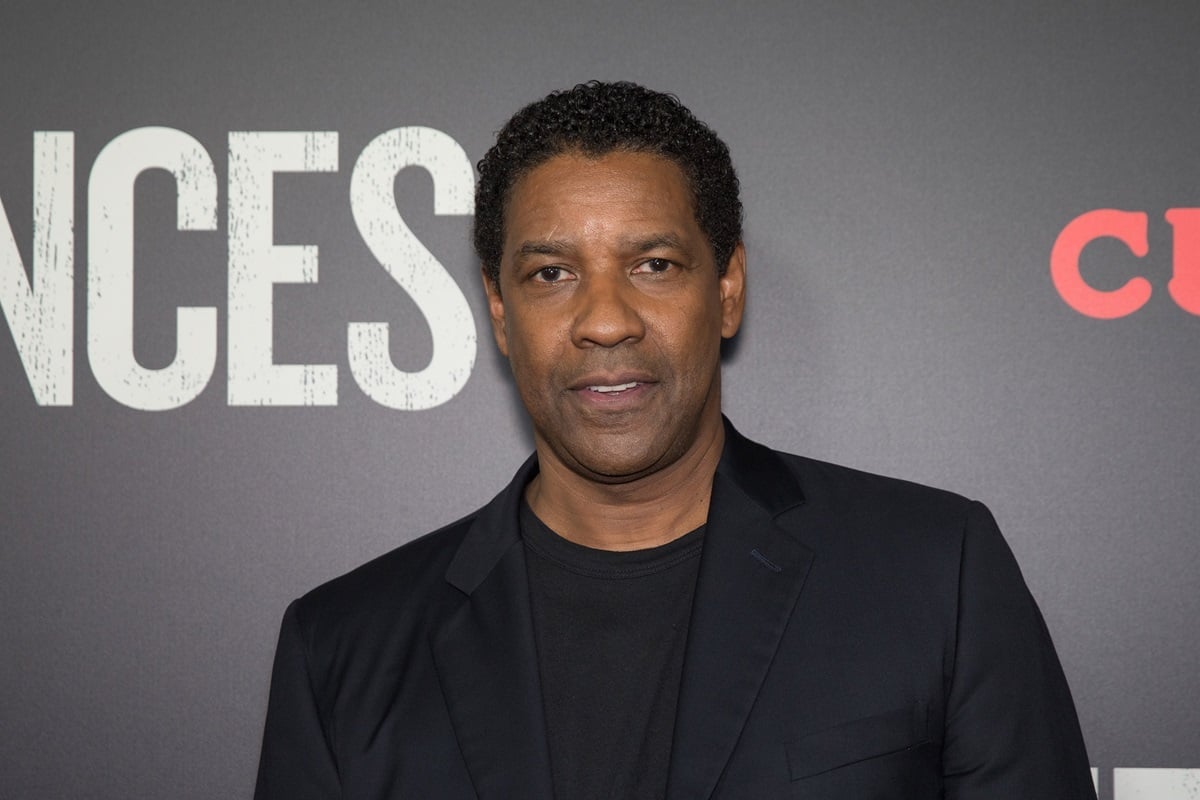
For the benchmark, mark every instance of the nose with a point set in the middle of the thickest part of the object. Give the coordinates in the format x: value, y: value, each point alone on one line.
x: 607, y: 313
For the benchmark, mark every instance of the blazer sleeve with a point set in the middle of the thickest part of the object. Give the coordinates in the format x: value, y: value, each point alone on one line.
x: 1011, y: 729
x: 297, y: 761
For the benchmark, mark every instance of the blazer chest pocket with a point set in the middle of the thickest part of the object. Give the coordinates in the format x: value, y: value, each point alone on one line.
x: 858, y: 740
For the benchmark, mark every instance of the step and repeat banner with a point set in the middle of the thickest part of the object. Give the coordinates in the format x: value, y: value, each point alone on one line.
x: 244, y: 346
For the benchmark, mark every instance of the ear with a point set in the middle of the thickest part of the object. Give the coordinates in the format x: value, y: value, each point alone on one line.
x: 733, y: 292
x: 495, y: 310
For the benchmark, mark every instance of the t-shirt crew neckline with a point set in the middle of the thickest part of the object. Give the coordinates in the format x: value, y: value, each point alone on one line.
x: 593, y: 562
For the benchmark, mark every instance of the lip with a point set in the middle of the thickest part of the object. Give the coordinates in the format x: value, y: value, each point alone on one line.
x: 610, y: 379
x: 640, y: 386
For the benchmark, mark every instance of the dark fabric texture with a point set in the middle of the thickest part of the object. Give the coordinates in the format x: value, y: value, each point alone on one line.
x: 851, y: 636
x: 610, y: 629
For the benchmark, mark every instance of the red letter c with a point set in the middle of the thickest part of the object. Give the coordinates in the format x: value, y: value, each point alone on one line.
x: 1128, y: 227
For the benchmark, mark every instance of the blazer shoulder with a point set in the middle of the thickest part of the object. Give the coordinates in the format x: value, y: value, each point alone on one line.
x: 830, y: 506
x: 781, y: 482
x: 884, y: 508
x: 385, y: 586
x: 836, y: 484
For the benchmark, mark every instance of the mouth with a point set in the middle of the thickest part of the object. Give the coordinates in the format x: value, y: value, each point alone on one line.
x: 613, y: 388
x: 614, y: 391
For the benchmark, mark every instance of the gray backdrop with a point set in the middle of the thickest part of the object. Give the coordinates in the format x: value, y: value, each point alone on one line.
x: 906, y: 173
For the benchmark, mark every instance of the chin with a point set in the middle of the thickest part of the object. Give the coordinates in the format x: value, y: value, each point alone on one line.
x: 617, y: 464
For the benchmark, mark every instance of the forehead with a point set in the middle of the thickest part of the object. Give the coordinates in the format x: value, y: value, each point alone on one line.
x: 575, y: 195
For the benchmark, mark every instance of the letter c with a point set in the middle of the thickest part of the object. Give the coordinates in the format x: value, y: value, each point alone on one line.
x: 1130, y: 228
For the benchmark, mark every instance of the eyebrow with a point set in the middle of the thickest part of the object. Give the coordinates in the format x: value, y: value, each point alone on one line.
x: 543, y: 247
x: 558, y: 247
x: 654, y: 242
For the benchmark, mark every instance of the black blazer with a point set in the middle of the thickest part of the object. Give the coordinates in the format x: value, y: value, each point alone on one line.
x: 852, y: 637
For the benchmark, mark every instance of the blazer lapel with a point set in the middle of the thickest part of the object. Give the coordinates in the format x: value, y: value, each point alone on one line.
x: 751, y: 574
x: 486, y: 657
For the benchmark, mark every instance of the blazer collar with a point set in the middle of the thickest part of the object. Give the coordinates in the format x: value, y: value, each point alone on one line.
x: 759, y: 473
x: 751, y: 572
x: 492, y: 533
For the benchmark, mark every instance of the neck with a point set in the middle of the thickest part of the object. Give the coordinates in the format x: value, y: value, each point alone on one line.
x: 647, y: 512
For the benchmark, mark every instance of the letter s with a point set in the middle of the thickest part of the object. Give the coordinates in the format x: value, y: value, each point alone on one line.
x: 372, y: 201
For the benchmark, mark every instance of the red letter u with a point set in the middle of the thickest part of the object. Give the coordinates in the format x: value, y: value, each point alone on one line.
x: 1184, y: 285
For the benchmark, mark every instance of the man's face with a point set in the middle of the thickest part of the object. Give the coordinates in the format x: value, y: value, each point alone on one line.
x: 611, y: 313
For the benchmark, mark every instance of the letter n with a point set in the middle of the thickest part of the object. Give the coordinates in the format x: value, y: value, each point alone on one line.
x: 40, y: 308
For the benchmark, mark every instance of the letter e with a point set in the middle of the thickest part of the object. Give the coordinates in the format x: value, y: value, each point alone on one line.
x: 256, y: 264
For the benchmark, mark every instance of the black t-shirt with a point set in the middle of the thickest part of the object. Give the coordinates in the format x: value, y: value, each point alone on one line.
x: 611, y: 628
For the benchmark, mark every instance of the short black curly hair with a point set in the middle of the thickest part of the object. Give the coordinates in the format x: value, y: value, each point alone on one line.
x: 595, y: 118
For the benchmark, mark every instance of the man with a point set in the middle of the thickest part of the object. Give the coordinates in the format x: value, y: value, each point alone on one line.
x: 656, y: 606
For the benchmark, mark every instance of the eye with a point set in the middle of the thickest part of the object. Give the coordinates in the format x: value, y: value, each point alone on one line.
x: 550, y: 275
x: 653, y: 266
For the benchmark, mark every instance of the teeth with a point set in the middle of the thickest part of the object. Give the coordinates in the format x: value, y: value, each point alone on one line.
x: 618, y: 388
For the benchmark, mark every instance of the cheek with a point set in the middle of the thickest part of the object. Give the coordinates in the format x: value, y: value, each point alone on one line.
x: 531, y: 335
x: 694, y: 343
x: 534, y: 351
